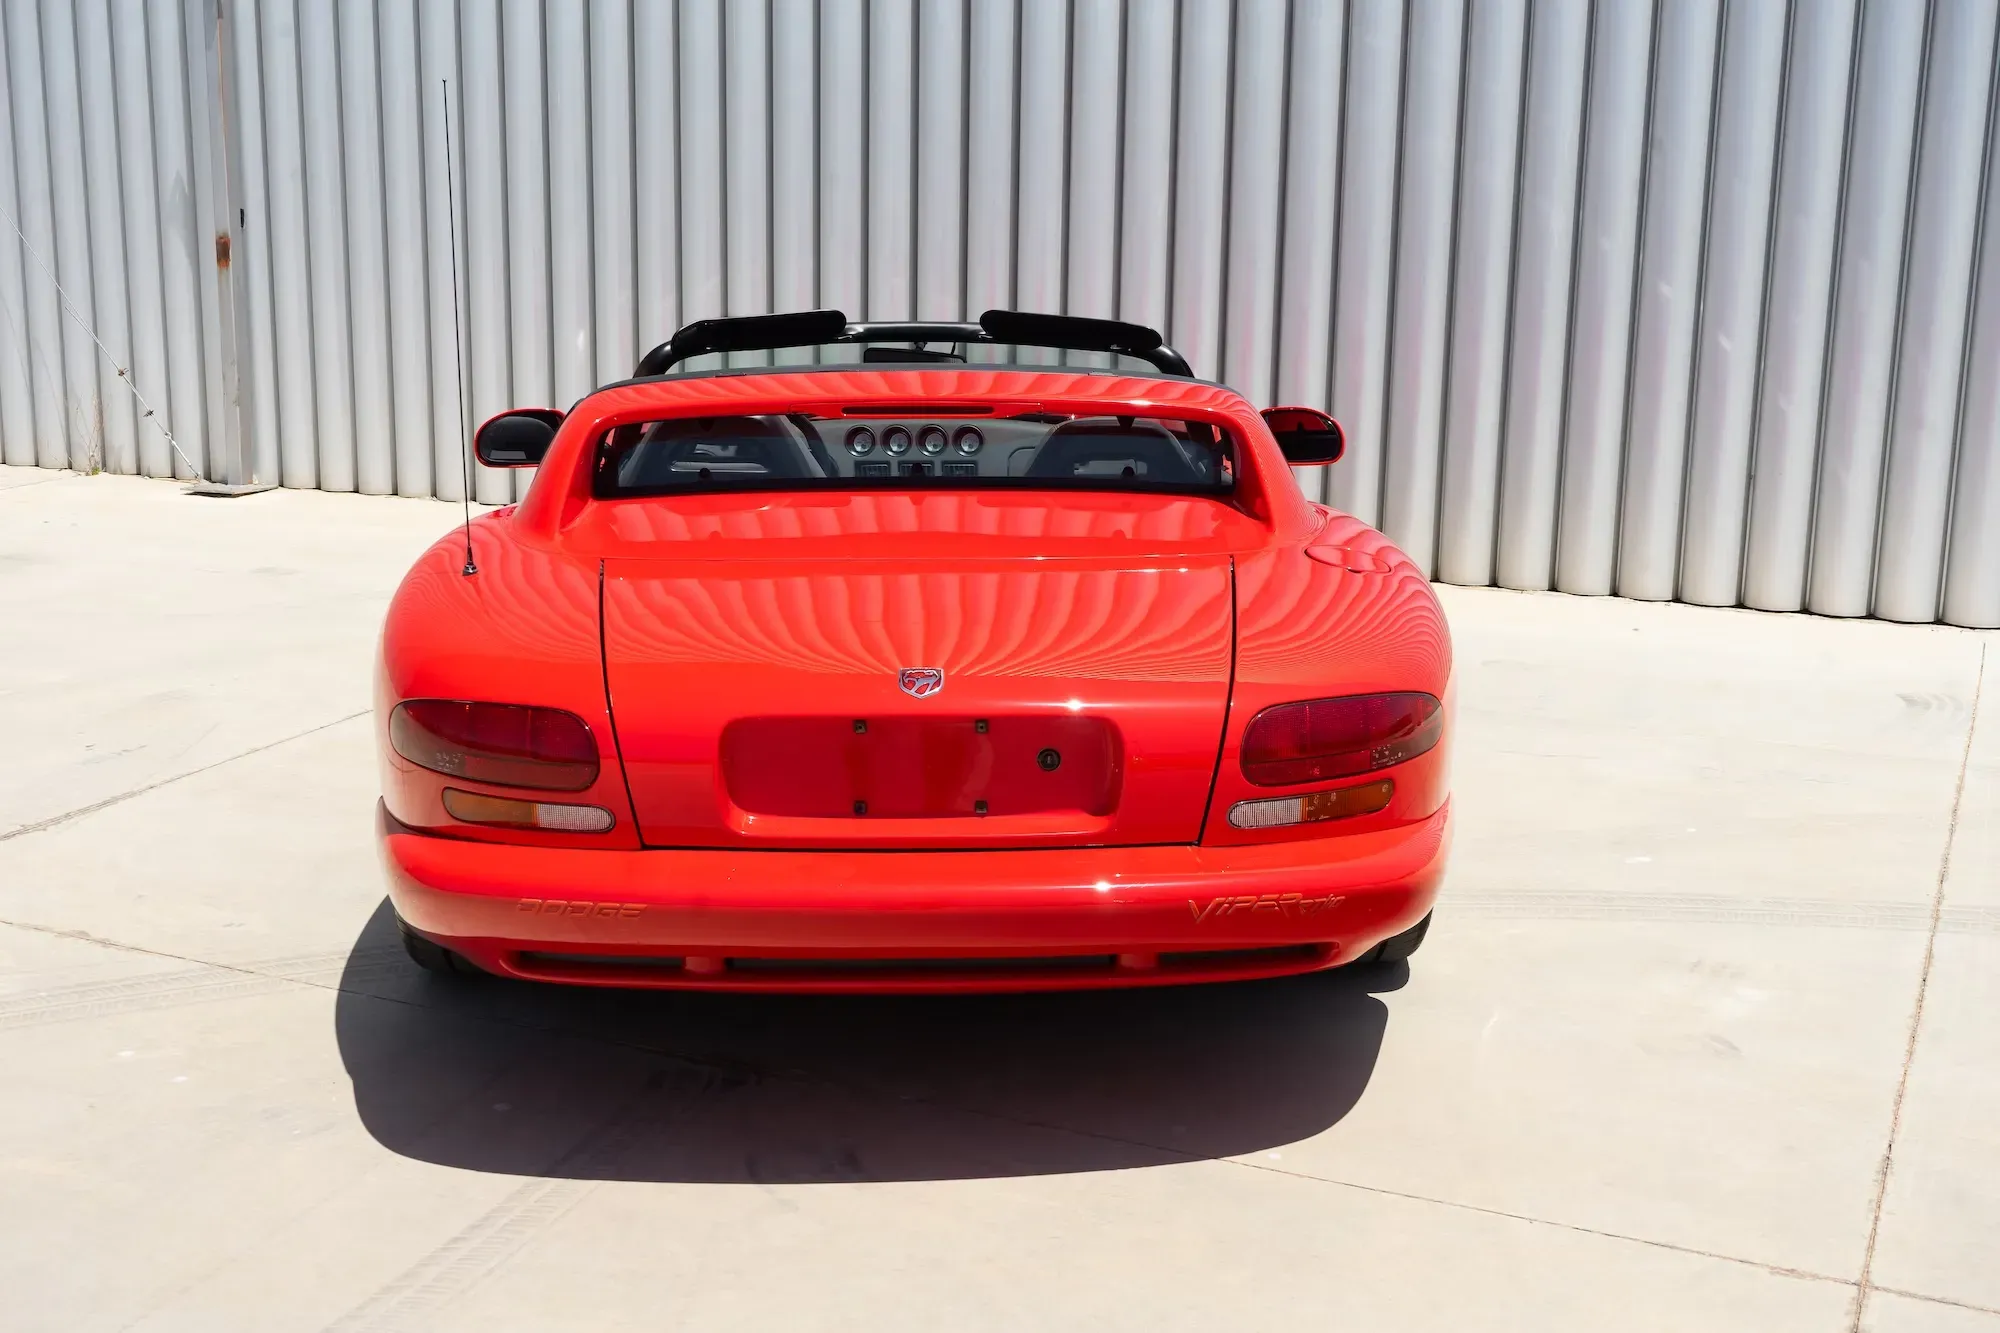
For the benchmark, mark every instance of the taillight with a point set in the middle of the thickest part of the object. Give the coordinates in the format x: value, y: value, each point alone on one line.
x: 470, y: 807
x: 1322, y: 739
x: 508, y: 745
x: 1314, y: 806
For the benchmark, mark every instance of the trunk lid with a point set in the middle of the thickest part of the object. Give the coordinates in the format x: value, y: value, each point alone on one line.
x: 791, y: 702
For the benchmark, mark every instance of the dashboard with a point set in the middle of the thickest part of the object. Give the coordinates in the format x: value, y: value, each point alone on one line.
x: 863, y: 447
x: 800, y: 448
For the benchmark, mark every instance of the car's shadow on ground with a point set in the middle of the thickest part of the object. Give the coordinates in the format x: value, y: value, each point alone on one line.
x: 536, y: 1080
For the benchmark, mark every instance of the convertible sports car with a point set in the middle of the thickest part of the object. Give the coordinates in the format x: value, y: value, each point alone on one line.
x: 995, y: 656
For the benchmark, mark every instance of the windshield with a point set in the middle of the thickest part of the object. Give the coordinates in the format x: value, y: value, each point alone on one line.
x: 802, y: 451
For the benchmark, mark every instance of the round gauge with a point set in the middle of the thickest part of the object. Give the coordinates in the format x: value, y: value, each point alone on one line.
x: 896, y: 440
x: 931, y: 439
x: 860, y: 440
x: 969, y: 439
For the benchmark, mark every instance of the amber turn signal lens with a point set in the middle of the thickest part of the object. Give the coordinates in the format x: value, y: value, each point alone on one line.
x: 1343, y: 803
x: 470, y: 807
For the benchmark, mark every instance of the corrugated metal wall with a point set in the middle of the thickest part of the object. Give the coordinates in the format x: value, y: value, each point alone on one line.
x: 1697, y: 299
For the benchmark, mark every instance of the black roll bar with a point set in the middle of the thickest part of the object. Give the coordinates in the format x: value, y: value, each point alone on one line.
x: 766, y: 333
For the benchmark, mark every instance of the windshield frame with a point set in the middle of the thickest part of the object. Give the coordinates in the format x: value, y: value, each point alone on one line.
x: 559, y: 500
x: 1229, y: 448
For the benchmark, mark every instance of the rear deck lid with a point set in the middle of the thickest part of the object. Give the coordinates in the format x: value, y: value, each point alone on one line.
x: 918, y: 702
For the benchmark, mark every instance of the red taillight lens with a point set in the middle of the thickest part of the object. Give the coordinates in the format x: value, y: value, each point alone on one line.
x: 508, y: 745
x: 1338, y: 738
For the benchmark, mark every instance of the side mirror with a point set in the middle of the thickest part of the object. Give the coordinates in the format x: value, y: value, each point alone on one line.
x: 516, y: 439
x: 1308, y: 436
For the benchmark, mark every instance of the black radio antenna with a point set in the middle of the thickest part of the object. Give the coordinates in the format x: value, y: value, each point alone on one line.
x: 457, y: 342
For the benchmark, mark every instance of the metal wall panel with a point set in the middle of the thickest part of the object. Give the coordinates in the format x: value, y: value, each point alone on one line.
x: 891, y: 102
x: 17, y: 395
x: 105, y: 186
x: 746, y: 147
x: 1936, y: 296
x: 1660, y: 298
x: 1421, y: 315
x: 368, y: 250
x: 610, y: 262
x: 1798, y: 297
x: 1365, y: 252
x: 1607, y: 253
x: 255, y: 257
x: 1312, y: 206
x: 40, y: 320
x: 1489, y: 157
x: 1041, y: 168
x: 843, y: 157
x: 1201, y: 182
x: 1741, y: 170
x: 478, y: 111
x: 940, y: 159
x: 1146, y: 193
x: 571, y: 208
x: 656, y: 169
x: 1255, y: 194
x: 327, y: 248
x: 288, y: 303
x: 63, y: 116
x: 1972, y: 566
x: 182, y: 259
x: 410, y: 328
x: 444, y: 228
x: 1096, y: 74
x: 1669, y: 294
x: 702, y: 185
x: 1860, y: 373
x: 1544, y: 257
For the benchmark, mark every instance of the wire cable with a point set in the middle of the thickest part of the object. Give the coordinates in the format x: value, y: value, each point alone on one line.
x: 123, y: 373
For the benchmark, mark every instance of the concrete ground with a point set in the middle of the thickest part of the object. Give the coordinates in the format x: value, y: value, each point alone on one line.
x: 1704, y: 1036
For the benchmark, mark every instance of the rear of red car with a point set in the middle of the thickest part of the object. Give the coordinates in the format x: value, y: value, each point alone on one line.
x: 1109, y: 705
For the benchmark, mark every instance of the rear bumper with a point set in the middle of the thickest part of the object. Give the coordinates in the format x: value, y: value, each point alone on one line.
x: 922, y: 920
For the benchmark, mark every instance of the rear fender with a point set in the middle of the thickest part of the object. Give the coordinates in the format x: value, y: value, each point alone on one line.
x: 522, y: 630
x: 1350, y: 614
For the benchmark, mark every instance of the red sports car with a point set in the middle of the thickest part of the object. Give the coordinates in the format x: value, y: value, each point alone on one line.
x: 995, y: 656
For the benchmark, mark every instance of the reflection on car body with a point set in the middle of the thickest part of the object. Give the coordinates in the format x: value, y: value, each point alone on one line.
x: 930, y: 670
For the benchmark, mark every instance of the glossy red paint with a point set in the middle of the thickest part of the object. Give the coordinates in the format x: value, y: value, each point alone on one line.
x: 1311, y: 905
x: 924, y: 767
x: 1141, y: 648
x: 737, y: 658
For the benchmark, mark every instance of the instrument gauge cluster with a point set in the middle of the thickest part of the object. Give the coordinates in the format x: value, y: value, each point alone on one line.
x: 918, y: 449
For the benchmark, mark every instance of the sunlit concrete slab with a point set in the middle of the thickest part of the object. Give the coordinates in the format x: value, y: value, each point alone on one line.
x: 12, y: 478
x: 1628, y: 754
x: 1891, y: 1312
x: 1942, y: 1214
x: 1642, y: 1075
x: 263, y: 857
x: 150, y: 632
